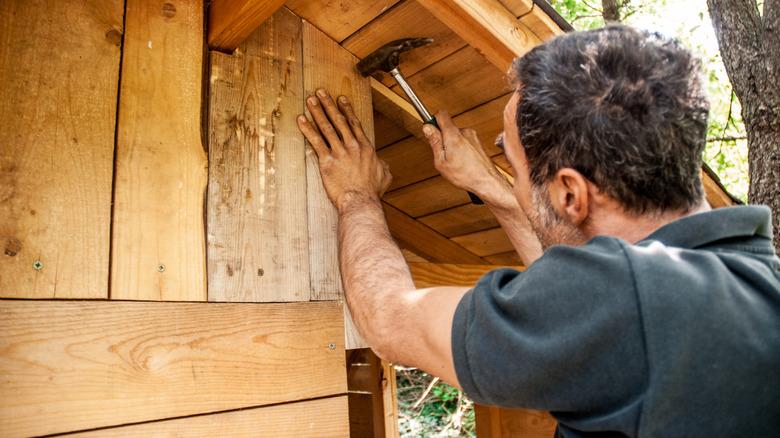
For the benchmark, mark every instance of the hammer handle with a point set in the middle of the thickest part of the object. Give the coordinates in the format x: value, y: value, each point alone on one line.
x: 474, y: 198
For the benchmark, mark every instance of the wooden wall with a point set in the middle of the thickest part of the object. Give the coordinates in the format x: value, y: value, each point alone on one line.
x: 168, y: 189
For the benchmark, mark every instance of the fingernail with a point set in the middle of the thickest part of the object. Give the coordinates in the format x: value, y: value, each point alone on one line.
x: 301, y: 118
x: 343, y: 99
x: 321, y: 92
x: 313, y: 100
x: 427, y: 130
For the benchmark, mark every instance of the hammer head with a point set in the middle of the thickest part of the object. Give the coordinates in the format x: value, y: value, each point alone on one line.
x: 386, y: 57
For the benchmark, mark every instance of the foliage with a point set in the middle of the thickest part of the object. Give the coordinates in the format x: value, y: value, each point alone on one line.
x: 430, y: 408
x: 689, y: 22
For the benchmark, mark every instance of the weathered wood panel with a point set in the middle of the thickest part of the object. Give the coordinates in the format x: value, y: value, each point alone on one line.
x: 159, y: 247
x: 323, y: 418
x: 59, y: 67
x: 257, y: 215
x: 70, y: 366
x: 328, y: 65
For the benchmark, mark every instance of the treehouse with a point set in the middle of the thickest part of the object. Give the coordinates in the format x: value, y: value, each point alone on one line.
x: 169, y: 257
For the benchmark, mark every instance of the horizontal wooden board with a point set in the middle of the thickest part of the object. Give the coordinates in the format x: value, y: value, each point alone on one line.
x: 59, y: 69
x: 505, y: 258
x: 387, y: 131
x: 321, y: 418
x: 74, y: 365
x: 443, y: 274
x: 406, y: 20
x: 231, y: 21
x: 426, y: 197
x: 464, y: 219
x: 457, y: 83
x: 486, y: 242
x: 422, y: 240
x: 339, y: 19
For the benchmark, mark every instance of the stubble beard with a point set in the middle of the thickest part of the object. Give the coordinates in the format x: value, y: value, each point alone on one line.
x: 549, y: 227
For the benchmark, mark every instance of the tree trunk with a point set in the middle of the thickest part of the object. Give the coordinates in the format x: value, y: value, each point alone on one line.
x: 610, y: 11
x: 749, y: 45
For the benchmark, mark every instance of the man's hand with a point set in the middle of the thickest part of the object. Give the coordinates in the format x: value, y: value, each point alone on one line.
x: 459, y: 157
x: 349, y: 165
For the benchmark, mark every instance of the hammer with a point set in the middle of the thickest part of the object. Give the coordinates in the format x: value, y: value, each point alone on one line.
x: 386, y: 59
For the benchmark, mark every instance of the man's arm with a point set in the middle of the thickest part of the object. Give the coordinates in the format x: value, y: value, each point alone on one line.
x: 459, y: 157
x: 402, y: 324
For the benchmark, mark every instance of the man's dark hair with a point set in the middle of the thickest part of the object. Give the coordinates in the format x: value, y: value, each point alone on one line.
x: 624, y: 107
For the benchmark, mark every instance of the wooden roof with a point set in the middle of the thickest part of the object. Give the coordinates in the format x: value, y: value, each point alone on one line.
x: 463, y: 71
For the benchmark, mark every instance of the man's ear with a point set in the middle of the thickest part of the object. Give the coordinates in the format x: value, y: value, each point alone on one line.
x: 569, y: 195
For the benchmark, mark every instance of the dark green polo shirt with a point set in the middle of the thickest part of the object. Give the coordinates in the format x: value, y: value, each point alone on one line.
x: 675, y: 336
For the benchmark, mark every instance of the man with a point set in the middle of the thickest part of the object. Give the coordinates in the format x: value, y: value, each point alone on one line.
x: 647, y: 314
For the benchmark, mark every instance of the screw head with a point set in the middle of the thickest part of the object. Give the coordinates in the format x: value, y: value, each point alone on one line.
x: 331, y: 346
x: 260, y: 272
x: 37, y: 265
x: 160, y: 268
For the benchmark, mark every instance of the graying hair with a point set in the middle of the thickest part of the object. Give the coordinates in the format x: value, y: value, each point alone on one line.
x: 626, y: 108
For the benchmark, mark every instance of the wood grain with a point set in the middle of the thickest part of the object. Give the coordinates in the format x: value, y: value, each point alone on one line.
x: 322, y: 418
x: 464, y: 219
x: 426, y: 197
x: 390, y: 399
x: 73, y: 365
x: 408, y: 19
x: 487, y: 26
x: 232, y: 21
x: 257, y: 215
x: 444, y: 274
x: 364, y: 383
x: 339, y: 19
x: 504, y: 258
x: 486, y: 242
x: 716, y: 196
x: 518, y: 7
x: 158, y: 242
x: 414, y: 236
x: 459, y: 82
x: 59, y: 66
x: 541, y: 24
x: 395, y: 107
x: 386, y: 131
x: 495, y: 422
x: 328, y: 65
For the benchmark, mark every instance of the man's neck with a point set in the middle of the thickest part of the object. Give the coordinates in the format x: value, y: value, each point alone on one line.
x: 633, y: 228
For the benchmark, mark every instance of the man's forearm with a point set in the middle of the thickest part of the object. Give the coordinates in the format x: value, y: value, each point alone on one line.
x: 504, y: 206
x: 373, y: 269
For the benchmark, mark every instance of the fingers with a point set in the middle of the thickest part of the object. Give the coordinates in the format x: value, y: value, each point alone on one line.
x: 446, y: 124
x: 313, y: 135
x: 436, y: 141
x: 357, y: 128
x: 323, y: 123
x: 335, y: 115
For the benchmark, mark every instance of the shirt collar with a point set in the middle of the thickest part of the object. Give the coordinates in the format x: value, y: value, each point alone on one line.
x: 705, y: 228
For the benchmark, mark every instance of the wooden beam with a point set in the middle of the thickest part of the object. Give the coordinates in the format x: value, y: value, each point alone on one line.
x: 232, y: 21
x: 339, y: 19
x: 390, y: 400
x: 396, y: 108
x: 74, y: 365
x: 494, y: 422
x: 441, y: 274
x: 716, y: 196
x: 487, y: 26
x: 426, y: 197
x: 541, y: 24
x: 321, y: 418
x: 59, y: 69
x: 518, y: 7
x: 258, y: 249
x: 486, y: 242
x: 420, y: 239
x: 463, y: 219
x: 158, y: 242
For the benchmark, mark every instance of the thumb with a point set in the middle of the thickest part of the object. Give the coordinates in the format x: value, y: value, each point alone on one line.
x: 434, y: 139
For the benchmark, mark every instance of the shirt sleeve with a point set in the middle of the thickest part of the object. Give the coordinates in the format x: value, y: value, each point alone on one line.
x: 564, y: 335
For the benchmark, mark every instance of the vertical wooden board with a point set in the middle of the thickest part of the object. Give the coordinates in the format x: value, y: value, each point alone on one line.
x: 390, y: 399
x: 158, y: 237
x: 59, y: 67
x: 257, y: 219
x: 323, y: 418
x: 328, y: 65
x: 75, y: 365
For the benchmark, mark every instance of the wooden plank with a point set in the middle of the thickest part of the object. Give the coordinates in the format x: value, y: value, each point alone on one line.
x: 495, y: 422
x: 459, y: 82
x: 418, y: 238
x: 390, y: 400
x: 406, y: 20
x: 232, y: 21
x: 390, y: 104
x: 410, y: 161
x: 321, y: 418
x: 340, y: 18
x: 487, y: 26
x: 59, y: 67
x: 716, y: 197
x: 505, y: 258
x: 327, y: 65
x: 464, y: 219
x: 387, y: 131
x: 73, y: 365
x: 518, y: 7
x: 412, y: 257
x: 541, y: 24
x: 257, y: 219
x: 486, y: 242
x: 426, y: 197
x: 364, y: 383
x: 447, y: 274
x: 158, y: 242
